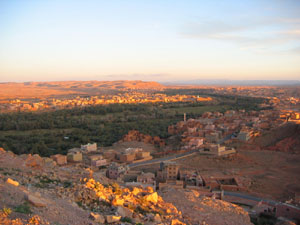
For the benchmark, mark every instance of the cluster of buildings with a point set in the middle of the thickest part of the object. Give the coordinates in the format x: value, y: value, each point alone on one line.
x: 129, y: 155
x: 169, y: 175
x: 290, y: 115
x: 129, y: 97
x: 115, y: 162
x: 96, y: 158
x: 213, y: 130
x: 87, y: 154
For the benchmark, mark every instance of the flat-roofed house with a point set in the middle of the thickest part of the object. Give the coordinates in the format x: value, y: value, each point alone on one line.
x: 89, y: 147
x: 115, y: 170
x: 97, y: 160
x: 126, y: 157
x: 142, y: 155
x: 74, y: 155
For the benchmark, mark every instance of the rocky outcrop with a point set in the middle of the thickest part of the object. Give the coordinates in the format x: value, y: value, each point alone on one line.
x: 98, y: 218
x: 12, y: 182
x: 203, y: 210
x: 141, y: 204
x: 112, y: 218
x: 36, y: 200
x: 135, y: 135
x: 124, y: 212
x: 61, y: 195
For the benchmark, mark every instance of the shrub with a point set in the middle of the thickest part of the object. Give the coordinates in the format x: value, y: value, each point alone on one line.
x: 126, y: 220
x: 23, y: 208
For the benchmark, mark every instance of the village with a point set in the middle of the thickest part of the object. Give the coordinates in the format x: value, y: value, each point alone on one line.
x: 279, y: 98
x: 212, y: 135
x: 19, y: 105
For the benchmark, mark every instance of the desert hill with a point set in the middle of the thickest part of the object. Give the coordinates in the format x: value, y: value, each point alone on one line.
x: 58, y: 88
x: 36, y: 191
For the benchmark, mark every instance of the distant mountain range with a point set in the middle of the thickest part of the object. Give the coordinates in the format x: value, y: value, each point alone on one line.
x: 235, y: 82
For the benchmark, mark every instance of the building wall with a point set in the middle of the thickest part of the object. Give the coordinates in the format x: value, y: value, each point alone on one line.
x: 244, y: 136
x: 161, y: 176
x: 287, y: 211
x: 100, y: 162
x: 74, y: 157
x: 172, y: 171
x: 142, y: 155
x: 110, y: 155
x: 146, y: 178
x: 89, y: 147
x: 112, y: 174
x: 60, y: 159
x: 126, y: 157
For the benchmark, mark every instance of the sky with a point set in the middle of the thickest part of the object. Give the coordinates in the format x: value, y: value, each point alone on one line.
x: 157, y: 40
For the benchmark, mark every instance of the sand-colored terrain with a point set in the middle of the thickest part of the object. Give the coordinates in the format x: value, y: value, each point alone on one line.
x: 66, y: 88
x: 272, y: 174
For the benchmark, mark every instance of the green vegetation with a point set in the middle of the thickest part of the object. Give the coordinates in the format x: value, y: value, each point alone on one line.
x: 48, y: 133
x: 67, y: 184
x: 126, y: 220
x: 44, y: 182
x: 23, y: 208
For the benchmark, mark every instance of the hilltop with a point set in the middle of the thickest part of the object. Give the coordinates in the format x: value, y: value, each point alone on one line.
x: 36, y: 191
x: 65, y: 88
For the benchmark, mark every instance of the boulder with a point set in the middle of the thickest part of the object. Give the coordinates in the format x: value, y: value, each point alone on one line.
x: 149, y: 189
x: 124, y: 212
x: 117, y: 201
x: 112, y: 218
x: 34, y: 161
x: 153, y: 197
x: 157, y: 218
x: 136, y: 191
x: 177, y: 222
x: 137, y: 220
x: 36, y: 201
x: 97, y: 217
x: 12, y: 182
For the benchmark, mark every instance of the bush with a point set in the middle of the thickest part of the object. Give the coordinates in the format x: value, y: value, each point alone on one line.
x: 23, y: 208
x: 126, y: 220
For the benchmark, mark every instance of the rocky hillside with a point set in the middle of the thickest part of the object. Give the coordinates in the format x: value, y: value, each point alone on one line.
x: 203, y: 210
x: 134, y: 135
x: 284, y: 138
x: 36, y: 191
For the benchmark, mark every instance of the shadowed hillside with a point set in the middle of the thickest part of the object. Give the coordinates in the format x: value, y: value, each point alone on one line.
x: 284, y: 138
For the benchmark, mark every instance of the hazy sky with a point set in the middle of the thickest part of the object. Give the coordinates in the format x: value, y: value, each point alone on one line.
x: 157, y: 40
